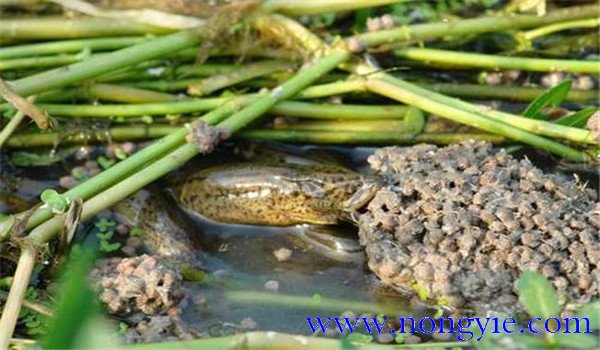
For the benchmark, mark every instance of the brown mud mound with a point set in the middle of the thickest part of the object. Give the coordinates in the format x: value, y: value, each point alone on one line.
x: 461, y: 222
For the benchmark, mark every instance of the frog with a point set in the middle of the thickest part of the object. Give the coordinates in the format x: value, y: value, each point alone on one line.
x: 275, y: 194
x: 273, y: 188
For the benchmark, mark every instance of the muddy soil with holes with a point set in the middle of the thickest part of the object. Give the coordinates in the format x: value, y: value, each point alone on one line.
x: 461, y: 222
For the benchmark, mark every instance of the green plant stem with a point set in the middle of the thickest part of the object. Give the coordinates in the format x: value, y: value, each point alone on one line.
x: 285, y: 91
x: 44, y: 61
x: 502, y: 92
x: 299, y: 301
x: 127, y: 94
x: 49, y: 28
x: 106, y: 93
x: 109, y: 62
x: 299, y: 8
x: 119, y: 191
x: 287, y: 108
x: 170, y: 142
x: 158, y: 70
x: 10, y: 127
x: 354, y: 125
x: 338, y: 111
x: 457, y: 59
x: 394, y: 88
x: 326, y: 131
x: 117, y: 133
x: 281, y: 341
x: 535, y: 126
x: 245, y: 72
x: 363, y: 137
x: 473, y: 26
x: 68, y: 46
x: 557, y: 27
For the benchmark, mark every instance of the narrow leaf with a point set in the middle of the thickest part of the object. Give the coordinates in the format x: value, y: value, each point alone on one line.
x: 577, y: 119
x: 537, y: 295
x: 576, y: 341
x: 555, y: 96
x: 76, y: 303
x: 592, y: 312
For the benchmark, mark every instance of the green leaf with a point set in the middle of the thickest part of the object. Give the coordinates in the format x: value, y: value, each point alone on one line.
x: 136, y: 232
x: 105, y: 236
x: 109, y: 247
x: 56, y: 201
x: 577, y: 119
x: 576, y: 341
x: 555, y: 96
x: 75, y: 306
x: 105, y: 163
x: 591, y: 311
x: 537, y: 295
x: 317, y: 298
x: 104, y: 224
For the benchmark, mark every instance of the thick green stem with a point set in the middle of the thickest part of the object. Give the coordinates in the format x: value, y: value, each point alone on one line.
x: 502, y: 92
x: 243, y: 73
x: 234, y: 123
x: 456, y: 59
x: 49, y: 28
x: 117, y: 133
x: 363, y: 137
x: 299, y: 301
x: 473, y: 26
x: 158, y: 70
x: 338, y: 111
x: 287, y: 108
x: 97, y: 65
x: 535, y: 126
x: 391, y: 87
x: 10, y: 127
x: 127, y: 94
x: 68, y: 46
x: 298, y: 8
x: 39, y: 62
x: 557, y: 27
x: 290, y: 88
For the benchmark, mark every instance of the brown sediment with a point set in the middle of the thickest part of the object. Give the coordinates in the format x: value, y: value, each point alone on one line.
x: 461, y: 222
x: 146, y: 292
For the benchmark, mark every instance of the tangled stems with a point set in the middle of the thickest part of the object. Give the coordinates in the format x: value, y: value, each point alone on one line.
x: 401, y: 91
x: 475, y: 60
x: 473, y: 26
x: 119, y: 191
x: 501, y: 92
x: 66, y: 46
x: 556, y: 27
x: 101, y: 64
x: 364, y: 137
x: 534, y: 126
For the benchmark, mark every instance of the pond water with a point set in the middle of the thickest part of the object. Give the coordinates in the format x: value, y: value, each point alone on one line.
x: 245, y: 271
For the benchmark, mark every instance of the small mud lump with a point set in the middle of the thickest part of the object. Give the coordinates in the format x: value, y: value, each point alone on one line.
x: 461, y: 222
x: 140, y: 284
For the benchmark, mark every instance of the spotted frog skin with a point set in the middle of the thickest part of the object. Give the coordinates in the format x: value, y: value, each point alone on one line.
x: 275, y: 195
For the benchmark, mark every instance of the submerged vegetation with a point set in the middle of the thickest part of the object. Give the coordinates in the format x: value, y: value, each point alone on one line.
x: 187, y: 76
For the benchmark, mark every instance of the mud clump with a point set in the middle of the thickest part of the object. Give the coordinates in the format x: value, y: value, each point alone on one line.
x: 143, y: 283
x: 461, y: 222
x: 145, y: 291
